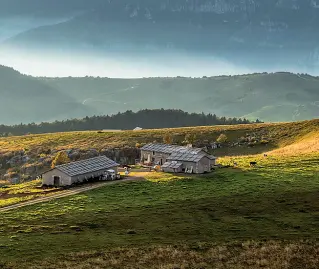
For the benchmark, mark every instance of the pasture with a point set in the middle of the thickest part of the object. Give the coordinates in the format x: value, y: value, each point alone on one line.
x: 14, y: 194
x: 254, y: 216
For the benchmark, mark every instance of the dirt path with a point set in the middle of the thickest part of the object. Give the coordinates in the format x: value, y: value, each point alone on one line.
x: 67, y: 193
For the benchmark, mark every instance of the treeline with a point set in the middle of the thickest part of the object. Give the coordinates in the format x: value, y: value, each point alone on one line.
x: 146, y: 119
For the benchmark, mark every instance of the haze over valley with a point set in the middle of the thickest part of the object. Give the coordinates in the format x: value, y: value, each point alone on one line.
x: 159, y: 38
x: 140, y: 39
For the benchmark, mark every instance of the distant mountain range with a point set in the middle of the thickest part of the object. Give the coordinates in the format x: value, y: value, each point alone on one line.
x: 268, y: 97
x: 264, y: 35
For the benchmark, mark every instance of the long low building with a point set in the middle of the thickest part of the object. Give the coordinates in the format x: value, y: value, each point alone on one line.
x: 77, y: 172
x: 177, y: 159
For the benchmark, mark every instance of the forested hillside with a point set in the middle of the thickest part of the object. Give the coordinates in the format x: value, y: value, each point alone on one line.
x: 146, y: 119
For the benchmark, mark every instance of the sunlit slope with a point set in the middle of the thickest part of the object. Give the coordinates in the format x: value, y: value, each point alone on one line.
x: 308, y: 144
x: 277, y: 135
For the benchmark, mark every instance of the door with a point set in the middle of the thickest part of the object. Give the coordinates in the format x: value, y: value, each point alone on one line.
x: 56, y: 181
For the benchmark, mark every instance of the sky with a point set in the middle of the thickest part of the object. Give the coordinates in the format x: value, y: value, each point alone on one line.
x: 53, y: 64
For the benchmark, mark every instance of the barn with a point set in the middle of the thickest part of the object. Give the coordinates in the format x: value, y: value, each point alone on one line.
x: 76, y: 172
x: 177, y: 159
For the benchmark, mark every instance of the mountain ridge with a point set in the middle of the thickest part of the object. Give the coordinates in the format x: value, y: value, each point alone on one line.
x: 268, y: 97
x: 251, y: 32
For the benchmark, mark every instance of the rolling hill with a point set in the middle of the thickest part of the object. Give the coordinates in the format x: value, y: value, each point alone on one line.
x: 268, y: 97
x: 27, y: 99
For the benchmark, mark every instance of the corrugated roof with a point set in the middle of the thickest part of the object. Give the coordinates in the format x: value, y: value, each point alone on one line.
x: 172, y: 164
x: 169, y: 149
x: 87, y: 166
x: 187, y: 156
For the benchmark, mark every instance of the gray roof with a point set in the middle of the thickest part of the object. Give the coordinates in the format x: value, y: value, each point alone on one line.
x: 86, y: 166
x: 189, y: 156
x: 169, y: 149
x: 172, y: 164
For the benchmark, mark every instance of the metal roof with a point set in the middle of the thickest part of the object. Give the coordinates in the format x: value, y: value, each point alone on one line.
x: 187, y: 156
x: 169, y: 149
x: 86, y: 166
x: 172, y: 164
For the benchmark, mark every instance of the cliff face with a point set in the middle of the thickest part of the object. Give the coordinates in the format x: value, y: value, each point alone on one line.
x: 270, y: 35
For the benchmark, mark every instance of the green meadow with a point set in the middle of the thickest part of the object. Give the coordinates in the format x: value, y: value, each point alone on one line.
x: 250, y: 214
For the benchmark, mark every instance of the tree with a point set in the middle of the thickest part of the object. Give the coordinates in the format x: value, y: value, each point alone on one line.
x: 190, y: 138
x: 222, y: 138
x: 60, y: 158
x: 167, y: 139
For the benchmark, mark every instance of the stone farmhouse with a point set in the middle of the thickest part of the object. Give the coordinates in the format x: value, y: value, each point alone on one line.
x: 177, y: 159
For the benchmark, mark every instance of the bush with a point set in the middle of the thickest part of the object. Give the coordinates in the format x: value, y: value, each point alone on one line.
x: 222, y: 138
x: 167, y: 139
x: 61, y: 158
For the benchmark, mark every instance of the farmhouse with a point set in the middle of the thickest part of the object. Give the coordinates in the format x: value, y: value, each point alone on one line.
x: 176, y: 159
x: 76, y: 172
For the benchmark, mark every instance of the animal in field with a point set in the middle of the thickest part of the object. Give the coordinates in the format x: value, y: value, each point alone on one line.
x: 252, y: 164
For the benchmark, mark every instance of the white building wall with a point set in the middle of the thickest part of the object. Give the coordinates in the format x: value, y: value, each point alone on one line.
x: 48, y: 178
x: 65, y: 180
x: 154, y: 156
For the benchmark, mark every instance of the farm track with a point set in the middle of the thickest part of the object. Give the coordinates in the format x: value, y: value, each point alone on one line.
x: 66, y: 193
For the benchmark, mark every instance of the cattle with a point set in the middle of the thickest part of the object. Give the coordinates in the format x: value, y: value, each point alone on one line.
x: 253, y: 163
x: 126, y: 166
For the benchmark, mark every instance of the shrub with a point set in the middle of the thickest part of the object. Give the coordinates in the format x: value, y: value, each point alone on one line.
x: 167, y: 139
x: 222, y: 138
x: 61, y: 158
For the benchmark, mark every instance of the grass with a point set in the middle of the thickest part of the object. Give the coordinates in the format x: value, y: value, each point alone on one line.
x: 279, y: 134
x: 13, y: 194
x: 236, y: 217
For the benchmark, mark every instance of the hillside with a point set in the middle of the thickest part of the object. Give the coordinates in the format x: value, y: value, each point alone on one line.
x: 27, y: 99
x: 220, y: 220
x: 233, y: 218
x: 24, y: 157
x: 268, y: 97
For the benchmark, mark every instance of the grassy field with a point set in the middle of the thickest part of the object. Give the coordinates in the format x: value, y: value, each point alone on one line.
x: 233, y: 218
x: 278, y: 134
x: 13, y: 194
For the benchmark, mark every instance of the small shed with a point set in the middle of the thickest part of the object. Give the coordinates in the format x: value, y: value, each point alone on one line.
x: 172, y: 167
x: 77, y: 172
x: 138, y: 129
